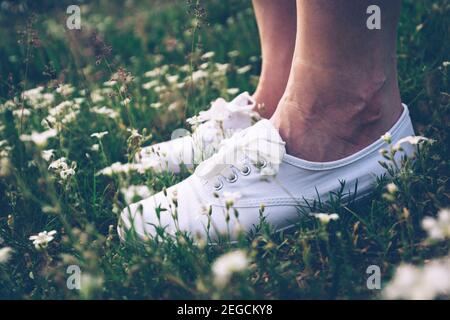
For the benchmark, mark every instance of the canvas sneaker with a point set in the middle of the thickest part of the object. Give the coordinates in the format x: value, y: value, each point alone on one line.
x: 252, y: 170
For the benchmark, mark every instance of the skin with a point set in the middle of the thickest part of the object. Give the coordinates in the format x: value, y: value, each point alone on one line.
x: 342, y: 93
x: 276, y: 22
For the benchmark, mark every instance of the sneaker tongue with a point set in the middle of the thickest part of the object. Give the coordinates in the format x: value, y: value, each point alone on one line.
x: 261, y: 143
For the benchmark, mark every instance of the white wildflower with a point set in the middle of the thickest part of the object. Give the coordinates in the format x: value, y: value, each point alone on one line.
x: 222, y: 67
x: 233, y: 53
x: 174, y: 106
x: 47, y: 154
x: 232, y: 91
x: 65, y: 89
x: 243, y: 69
x: 231, y: 197
x: 110, y: 83
x: 33, y: 94
x: 37, y: 99
x: 156, y: 105
x: 413, y: 140
x: 438, y: 229
x: 5, y: 254
x: 42, y: 239
x: 22, y: 112
x: 61, y: 167
x: 107, y: 91
x: 5, y: 167
x: 392, y: 187
x: 66, y: 174
x: 99, y: 135
x: 118, y: 167
x: 58, y: 164
x: 185, y: 68
x: 95, y: 147
x: 420, y: 283
x: 172, y: 79
x: 227, y: 264
x: 155, y: 72
x: 150, y: 84
x: 198, y: 75
x: 325, y: 218
x: 97, y: 96
x: 387, y: 137
x: 64, y: 112
x: 105, y: 111
x: 132, y: 192
x: 208, y: 55
x: 159, y: 89
x: 134, y: 134
x: 79, y: 100
x: 89, y: 284
x: 9, y: 104
x: 39, y: 138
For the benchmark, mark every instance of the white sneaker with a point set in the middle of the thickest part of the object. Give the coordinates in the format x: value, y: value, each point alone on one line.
x: 251, y: 169
x: 210, y: 127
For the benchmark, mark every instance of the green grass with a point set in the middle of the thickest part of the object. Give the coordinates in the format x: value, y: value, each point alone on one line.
x: 313, y: 261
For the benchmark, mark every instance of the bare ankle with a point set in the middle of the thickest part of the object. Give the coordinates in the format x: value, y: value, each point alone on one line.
x: 328, y: 122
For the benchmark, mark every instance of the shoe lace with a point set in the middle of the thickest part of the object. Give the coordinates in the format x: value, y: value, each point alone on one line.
x: 246, y: 146
x: 221, y: 110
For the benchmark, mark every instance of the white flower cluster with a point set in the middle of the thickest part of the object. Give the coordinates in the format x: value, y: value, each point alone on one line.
x: 420, y: 283
x: 37, y: 98
x: 65, y: 89
x: 105, y: 111
x: 228, y: 264
x: 438, y: 229
x: 412, y: 140
x: 63, y: 113
x: 430, y: 281
x: 62, y: 168
x: 42, y: 239
x: 125, y: 168
x: 39, y: 138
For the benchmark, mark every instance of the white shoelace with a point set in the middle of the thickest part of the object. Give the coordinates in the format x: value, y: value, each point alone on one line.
x: 219, y: 122
x: 260, y: 143
x: 222, y: 110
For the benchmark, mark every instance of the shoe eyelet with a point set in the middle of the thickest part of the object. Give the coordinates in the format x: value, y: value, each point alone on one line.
x: 246, y: 170
x: 218, y: 185
x: 232, y: 178
x: 262, y: 164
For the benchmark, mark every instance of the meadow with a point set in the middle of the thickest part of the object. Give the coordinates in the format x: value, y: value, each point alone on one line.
x: 76, y: 106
